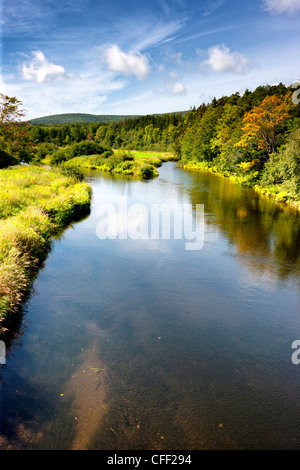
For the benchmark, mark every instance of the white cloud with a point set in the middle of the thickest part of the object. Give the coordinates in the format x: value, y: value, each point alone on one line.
x: 282, y: 6
x: 221, y: 59
x: 177, y: 89
x: 209, y: 8
x: 133, y: 63
x: 41, y: 70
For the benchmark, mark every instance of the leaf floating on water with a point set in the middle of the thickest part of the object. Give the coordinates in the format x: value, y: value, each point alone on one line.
x: 95, y: 370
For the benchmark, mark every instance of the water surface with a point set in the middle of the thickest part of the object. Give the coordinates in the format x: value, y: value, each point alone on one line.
x: 192, y: 348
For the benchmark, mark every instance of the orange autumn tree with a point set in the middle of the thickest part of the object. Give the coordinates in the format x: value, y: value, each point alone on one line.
x: 261, y: 124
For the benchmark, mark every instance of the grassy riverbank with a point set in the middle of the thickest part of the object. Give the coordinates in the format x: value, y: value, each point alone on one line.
x: 248, y: 179
x: 35, y: 203
x: 133, y: 162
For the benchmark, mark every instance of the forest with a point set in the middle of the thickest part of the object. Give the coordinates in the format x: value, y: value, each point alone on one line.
x: 253, y: 138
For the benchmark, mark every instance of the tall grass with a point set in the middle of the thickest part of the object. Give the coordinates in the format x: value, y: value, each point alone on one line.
x: 34, y: 204
x: 119, y: 162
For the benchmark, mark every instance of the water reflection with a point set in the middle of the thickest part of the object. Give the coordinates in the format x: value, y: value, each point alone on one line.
x: 264, y: 234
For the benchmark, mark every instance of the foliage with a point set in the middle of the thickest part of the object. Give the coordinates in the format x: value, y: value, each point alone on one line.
x: 78, y: 149
x: 14, y: 134
x: 119, y: 162
x: 283, y: 167
x: 260, y: 125
x: 72, y: 172
x: 147, y: 171
x: 151, y: 132
x: 196, y: 142
x: 253, y: 139
x: 6, y: 159
x: 235, y: 136
x: 228, y: 133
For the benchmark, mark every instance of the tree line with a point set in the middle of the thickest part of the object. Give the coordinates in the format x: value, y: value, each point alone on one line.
x: 151, y: 132
x: 254, y: 136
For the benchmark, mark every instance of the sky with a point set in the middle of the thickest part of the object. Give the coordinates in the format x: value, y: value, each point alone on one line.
x: 135, y: 57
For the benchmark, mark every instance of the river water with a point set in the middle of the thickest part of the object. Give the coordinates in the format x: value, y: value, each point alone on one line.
x: 141, y: 343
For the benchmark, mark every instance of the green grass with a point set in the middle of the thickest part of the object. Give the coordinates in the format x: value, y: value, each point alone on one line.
x: 155, y: 158
x: 35, y: 203
x: 138, y: 163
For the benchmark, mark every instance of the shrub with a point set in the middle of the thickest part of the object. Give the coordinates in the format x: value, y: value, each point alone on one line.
x: 147, y: 171
x: 6, y: 159
x: 88, y: 148
x: 73, y: 172
x: 44, y: 149
x: 60, y: 156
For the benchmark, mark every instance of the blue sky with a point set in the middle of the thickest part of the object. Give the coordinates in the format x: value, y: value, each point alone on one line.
x: 135, y: 57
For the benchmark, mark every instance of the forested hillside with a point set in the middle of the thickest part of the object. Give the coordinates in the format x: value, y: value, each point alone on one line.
x: 151, y: 132
x: 68, y: 118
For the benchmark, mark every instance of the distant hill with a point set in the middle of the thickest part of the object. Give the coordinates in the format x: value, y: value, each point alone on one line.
x: 82, y: 118
x: 78, y: 118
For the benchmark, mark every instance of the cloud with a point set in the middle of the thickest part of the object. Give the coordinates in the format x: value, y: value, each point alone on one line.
x: 177, y: 89
x: 41, y: 70
x: 221, y: 59
x: 211, y: 7
x: 133, y: 63
x: 282, y: 6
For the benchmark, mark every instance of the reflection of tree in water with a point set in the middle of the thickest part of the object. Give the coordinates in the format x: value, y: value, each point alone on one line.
x: 265, y: 233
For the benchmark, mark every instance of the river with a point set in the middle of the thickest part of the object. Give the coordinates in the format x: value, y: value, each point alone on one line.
x: 141, y: 343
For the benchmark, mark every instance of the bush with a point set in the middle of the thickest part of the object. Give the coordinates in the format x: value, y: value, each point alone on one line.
x: 6, y: 159
x: 73, y: 172
x: 77, y: 150
x: 126, y: 157
x: 60, y: 156
x: 43, y: 150
x: 147, y: 171
x: 87, y: 148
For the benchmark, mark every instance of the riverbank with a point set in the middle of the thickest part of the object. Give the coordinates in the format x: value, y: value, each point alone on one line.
x: 136, y: 163
x: 35, y: 204
x: 248, y: 179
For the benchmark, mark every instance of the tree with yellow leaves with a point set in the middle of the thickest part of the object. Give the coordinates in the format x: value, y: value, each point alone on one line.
x: 261, y: 124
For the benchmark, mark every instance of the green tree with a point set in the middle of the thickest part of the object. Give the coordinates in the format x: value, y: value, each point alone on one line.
x: 228, y: 133
x: 283, y: 167
x: 15, y: 138
x: 196, y: 142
